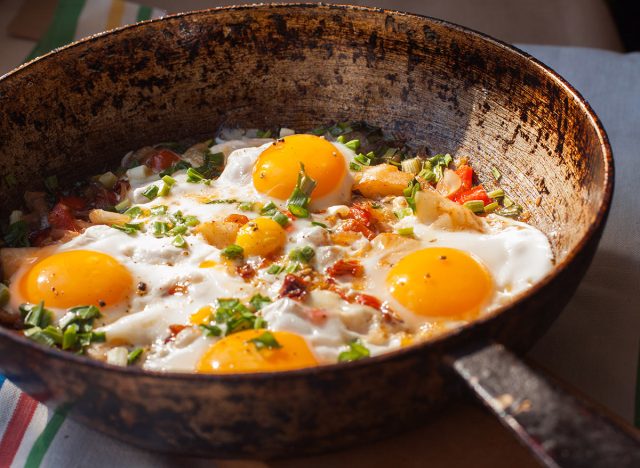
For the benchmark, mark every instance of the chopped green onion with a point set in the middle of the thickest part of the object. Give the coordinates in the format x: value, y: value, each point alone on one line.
x: 246, y: 206
x: 35, y: 315
x: 151, y: 192
x: 4, y: 294
x: 134, y: 355
x: 191, y: 221
x: 438, y: 163
x: 362, y: 160
x: 410, y: 193
x: 123, y: 206
x: 512, y: 211
x: 412, y: 166
x: 36, y: 334
x: 177, y: 229
x: 404, y: 212
x: 341, y: 139
x: 210, y: 330
x: 356, y: 351
x: 128, y: 228
x: 159, y: 210
x: 355, y: 167
x: 298, y: 211
x: 164, y: 191
x: 266, y: 340
x: 303, y: 255
x: 477, y: 206
x: 160, y: 229
x: 17, y: 235
x: 134, y: 211
x: 406, y: 231
x: 353, y: 145
x: 216, y: 159
x: 495, y: 194
x: 222, y: 201
x: 182, y: 164
x: 319, y: 224
x: 265, y: 134
x: 170, y: 181
x: 232, y: 251
x: 491, y: 207
x: 258, y: 301
x: 179, y: 241
x: 269, y: 209
x: 70, y: 336
x: 280, y: 218
x: 275, y: 269
x: 292, y: 267
x: 108, y: 179
x: 496, y: 173
x: 301, y: 196
x: 194, y: 176
x: 507, y: 202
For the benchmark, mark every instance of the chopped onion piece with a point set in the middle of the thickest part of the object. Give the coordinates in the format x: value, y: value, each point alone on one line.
x: 118, y: 356
x: 449, y: 184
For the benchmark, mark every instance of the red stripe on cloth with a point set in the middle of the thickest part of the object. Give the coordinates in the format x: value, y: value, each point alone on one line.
x: 16, y: 428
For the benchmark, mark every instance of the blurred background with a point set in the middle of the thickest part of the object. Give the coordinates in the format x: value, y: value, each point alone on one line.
x: 604, y: 24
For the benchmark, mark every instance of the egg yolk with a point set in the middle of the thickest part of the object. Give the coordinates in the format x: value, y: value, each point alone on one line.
x: 237, y: 353
x: 440, y: 282
x: 76, y: 277
x: 277, y: 168
x: 261, y: 236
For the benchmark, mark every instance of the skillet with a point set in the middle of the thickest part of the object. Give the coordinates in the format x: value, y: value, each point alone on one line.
x: 440, y: 86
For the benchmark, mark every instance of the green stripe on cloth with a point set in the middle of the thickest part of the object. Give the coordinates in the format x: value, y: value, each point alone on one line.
x: 43, y: 442
x: 62, y: 29
x: 144, y: 13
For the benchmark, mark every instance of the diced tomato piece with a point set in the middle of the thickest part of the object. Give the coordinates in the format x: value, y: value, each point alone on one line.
x: 476, y: 193
x: 105, y: 198
x: 161, y: 159
x: 75, y: 203
x: 246, y: 271
x: 237, y: 218
x: 465, y: 172
x: 367, y: 300
x: 293, y: 287
x: 61, y: 217
x: 356, y: 226
x: 361, y: 212
x: 346, y: 267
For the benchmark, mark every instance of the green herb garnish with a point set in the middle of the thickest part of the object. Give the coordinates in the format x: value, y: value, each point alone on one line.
x: 4, y: 294
x: 258, y: 301
x: 275, y: 269
x: 194, y: 176
x: 134, y: 355
x: 17, y: 235
x: 356, y: 351
x: 128, y: 228
x: 210, y: 330
x: 496, y: 173
x: 410, y: 193
x: 477, y: 206
x: 301, y: 196
x: 265, y: 340
x: 178, y: 241
x: 151, y: 192
x: 280, y: 218
x: 232, y: 251
x: 303, y: 255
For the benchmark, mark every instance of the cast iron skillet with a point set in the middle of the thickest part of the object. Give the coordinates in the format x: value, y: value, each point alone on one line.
x: 76, y: 111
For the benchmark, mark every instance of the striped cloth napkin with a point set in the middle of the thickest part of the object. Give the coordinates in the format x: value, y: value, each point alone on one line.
x: 75, y: 19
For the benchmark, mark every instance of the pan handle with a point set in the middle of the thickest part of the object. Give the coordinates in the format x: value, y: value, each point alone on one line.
x: 559, y: 428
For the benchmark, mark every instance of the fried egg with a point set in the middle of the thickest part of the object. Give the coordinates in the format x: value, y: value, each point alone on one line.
x: 160, y: 283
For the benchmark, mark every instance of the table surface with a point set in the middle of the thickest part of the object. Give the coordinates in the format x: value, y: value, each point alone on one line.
x: 594, y: 345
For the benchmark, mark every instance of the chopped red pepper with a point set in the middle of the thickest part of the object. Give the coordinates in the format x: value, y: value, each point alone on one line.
x: 346, y: 267
x: 361, y: 212
x: 465, y: 172
x: 246, y: 271
x: 476, y: 193
x: 161, y: 159
x: 293, y: 287
x: 237, y: 218
x: 61, y: 217
x: 356, y: 226
x: 75, y: 203
x: 367, y: 300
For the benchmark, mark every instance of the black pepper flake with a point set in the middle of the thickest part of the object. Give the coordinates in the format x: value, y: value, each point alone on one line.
x: 443, y: 257
x: 101, y: 303
x: 142, y: 286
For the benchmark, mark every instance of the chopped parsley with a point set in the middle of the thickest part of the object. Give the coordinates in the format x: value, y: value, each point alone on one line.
x: 265, y: 340
x: 356, y: 351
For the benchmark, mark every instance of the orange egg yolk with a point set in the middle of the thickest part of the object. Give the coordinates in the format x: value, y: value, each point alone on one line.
x: 76, y: 277
x: 441, y: 282
x: 276, y: 171
x: 237, y: 353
